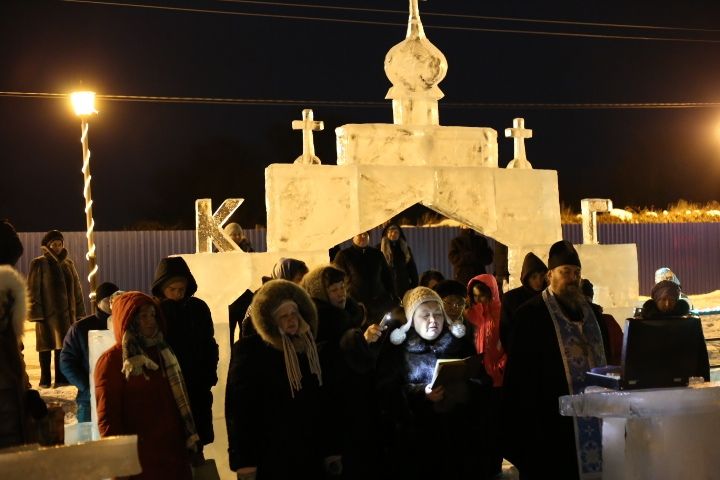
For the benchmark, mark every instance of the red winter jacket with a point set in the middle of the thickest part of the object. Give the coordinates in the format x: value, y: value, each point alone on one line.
x: 486, y: 319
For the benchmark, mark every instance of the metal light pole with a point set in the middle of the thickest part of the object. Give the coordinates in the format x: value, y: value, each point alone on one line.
x: 84, y: 105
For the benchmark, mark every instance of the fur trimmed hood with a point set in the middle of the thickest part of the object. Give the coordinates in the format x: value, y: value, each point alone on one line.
x: 12, y: 281
x: 268, y: 299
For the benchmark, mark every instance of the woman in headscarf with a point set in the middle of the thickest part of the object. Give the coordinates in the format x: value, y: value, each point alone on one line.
x: 484, y: 316
x: 289, y: 269
x: 140, y: 390
x: 275, y: 402
x: 399, y: 258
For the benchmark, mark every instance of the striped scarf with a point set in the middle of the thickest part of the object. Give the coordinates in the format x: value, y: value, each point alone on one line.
x: 306, y: 344
x: 135, y: 360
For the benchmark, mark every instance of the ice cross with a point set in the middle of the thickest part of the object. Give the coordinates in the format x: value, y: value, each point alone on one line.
x: 307, y: 125
x: 519, y: 133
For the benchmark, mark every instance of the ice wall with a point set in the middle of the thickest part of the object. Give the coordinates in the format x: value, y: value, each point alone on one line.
x: 311, y: 206
x: 613, y: 270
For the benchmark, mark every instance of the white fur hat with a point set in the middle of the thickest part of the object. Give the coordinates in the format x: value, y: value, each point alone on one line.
x: 411, y: 301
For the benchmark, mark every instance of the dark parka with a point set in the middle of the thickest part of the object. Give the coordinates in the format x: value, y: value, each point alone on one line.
x: 536, y: 438
x: 74, y: 362
x: 284, y: 436
x: 56, y: 298
x: 369, y: 279
x: 424, y: 443
x: 347, y: 365
x: 13, y: 378
x: 402, y: 266
x: 191, y: 335
x: 469, y: 253
x: 512, y: 299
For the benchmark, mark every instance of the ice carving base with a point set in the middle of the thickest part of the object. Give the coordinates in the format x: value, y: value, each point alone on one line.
x: 658, y: 434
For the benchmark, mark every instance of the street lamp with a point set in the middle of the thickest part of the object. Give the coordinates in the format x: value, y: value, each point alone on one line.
x: 84, y: 105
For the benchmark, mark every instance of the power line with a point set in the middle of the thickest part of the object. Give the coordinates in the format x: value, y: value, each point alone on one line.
x: 477, y: 17
x: 371, y: 104
x: 396, y: 24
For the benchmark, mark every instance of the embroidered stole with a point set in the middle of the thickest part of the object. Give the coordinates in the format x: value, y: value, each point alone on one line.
x: 581, y: 347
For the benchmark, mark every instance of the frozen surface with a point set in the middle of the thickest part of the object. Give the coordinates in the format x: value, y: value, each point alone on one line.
x: 99, y: 341
x: 315, y: 206
x: 662, y: 434
x: 416, y: 145
x: 106, y: 458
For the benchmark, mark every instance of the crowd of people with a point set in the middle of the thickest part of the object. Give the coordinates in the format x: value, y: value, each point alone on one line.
x: 337, y: 370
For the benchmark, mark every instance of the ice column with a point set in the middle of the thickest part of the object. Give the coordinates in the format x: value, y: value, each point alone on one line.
x: 415, y: 67
x: 589, y: 208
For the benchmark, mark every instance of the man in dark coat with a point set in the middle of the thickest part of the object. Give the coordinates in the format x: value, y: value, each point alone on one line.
x: 74, y: 361
x: 191, y: 335
x: 369, y: 279
x: 557, y: 338
x: 533, y: 278
x: 56, y: 302
x: 469, y: 253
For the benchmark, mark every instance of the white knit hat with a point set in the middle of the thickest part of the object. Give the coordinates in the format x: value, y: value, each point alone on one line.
x: 411, y: 301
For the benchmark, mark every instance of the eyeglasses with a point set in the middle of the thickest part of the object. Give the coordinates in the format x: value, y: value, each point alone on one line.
x: 455, y: 304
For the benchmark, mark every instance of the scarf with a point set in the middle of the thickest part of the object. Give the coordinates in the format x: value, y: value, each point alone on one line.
x: 305, y: 344
x: 135, y: 360
x: 581, y: 348
x: 386, y: 248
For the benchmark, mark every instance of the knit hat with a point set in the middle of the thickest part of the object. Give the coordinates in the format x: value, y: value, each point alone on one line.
x: 665, y: 288
x: 50, y: 236
x: 531, y: 264
x: 665, y: 273
x: 411, y: 301
x: 11, y: 248
x: 104, y: 290
x: 563, y: 253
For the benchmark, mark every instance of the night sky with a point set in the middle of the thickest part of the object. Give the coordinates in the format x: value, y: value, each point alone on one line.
x: 151, y: 160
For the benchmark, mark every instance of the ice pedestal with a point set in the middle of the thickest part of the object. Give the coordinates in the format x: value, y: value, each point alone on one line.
x: 106, y: 458
x: 99, y: 341
x: 659, y: 434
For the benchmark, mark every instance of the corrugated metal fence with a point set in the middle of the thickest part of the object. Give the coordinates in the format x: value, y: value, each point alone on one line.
x: 691, y: 250
x: 128, y: 258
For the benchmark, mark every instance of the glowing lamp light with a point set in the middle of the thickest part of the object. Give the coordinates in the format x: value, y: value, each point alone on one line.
x: 83, y: 103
